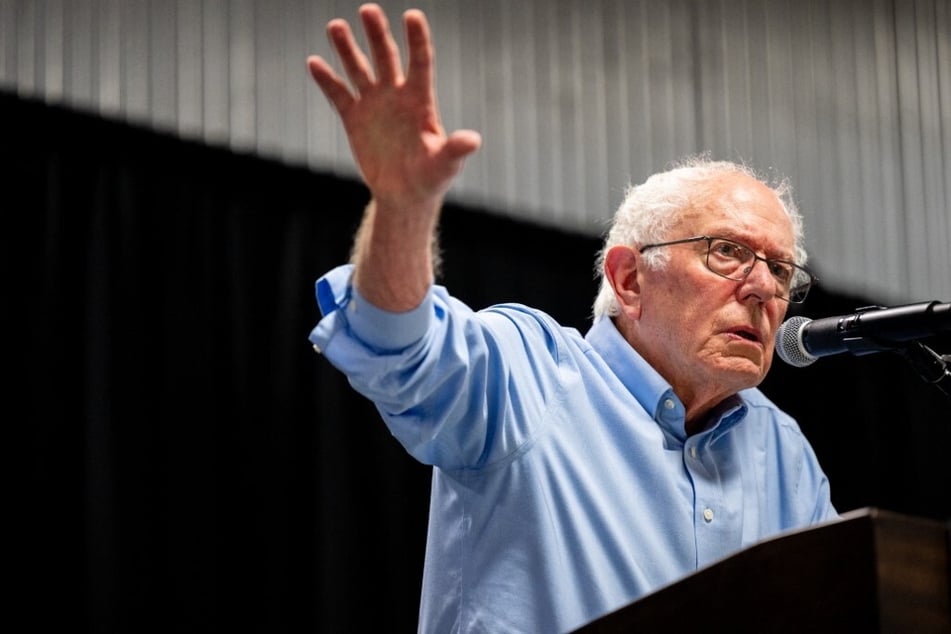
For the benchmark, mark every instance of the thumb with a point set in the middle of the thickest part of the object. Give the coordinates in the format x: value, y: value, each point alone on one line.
x: 461, y: 144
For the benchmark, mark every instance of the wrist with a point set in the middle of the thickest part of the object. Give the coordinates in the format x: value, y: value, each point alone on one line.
x: 393, y: 255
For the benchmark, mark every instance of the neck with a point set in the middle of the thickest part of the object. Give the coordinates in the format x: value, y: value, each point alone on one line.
x: 700, y: 421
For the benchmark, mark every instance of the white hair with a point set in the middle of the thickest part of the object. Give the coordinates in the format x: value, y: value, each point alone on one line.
x: 651, y: 210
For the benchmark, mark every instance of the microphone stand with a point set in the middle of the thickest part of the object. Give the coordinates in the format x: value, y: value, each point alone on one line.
x: 932, y: 367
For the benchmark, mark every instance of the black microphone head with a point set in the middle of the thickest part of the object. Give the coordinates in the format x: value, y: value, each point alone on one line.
x: 789, y: 345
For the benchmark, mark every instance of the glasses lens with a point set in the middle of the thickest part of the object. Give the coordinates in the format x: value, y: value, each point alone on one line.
x: 801, y: 283
x: 735, y: 261
x: 728, y: 259
x: 797, y: 294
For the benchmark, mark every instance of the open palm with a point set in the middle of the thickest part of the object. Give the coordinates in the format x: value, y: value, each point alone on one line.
x: 404, y: 155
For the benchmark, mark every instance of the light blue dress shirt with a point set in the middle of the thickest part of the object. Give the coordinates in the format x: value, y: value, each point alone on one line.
x: 564, y: 485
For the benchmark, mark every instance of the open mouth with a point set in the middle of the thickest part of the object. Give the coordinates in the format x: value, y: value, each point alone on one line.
x: 747, y: 334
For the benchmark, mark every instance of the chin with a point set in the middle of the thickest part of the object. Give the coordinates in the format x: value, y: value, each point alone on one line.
x: 742, y: 373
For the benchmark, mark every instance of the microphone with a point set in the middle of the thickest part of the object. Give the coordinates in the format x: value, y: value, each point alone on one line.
x: 800, y: 341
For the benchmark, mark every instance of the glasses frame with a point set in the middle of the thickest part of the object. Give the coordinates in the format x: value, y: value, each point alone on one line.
x: 800, y: 291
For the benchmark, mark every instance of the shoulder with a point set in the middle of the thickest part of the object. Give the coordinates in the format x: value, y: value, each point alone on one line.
x: 529, y: 324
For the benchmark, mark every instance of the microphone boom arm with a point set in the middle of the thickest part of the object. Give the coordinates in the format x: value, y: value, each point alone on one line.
x: 931, y: 367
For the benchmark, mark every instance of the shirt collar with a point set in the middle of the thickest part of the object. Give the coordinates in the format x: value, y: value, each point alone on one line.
x: 649, y: 388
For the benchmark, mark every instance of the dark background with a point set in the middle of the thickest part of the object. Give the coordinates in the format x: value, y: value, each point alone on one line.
x: 191, y: 465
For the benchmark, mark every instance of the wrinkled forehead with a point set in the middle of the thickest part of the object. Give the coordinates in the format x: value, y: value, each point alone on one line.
x: 740, y: 207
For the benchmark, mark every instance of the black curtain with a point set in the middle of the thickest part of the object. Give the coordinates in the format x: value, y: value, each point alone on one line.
x: 192, y: 465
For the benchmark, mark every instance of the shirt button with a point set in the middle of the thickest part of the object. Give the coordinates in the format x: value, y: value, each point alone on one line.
x: 693, y: 452
x: 317, y: 349
x: 669, y: 403
x: 708, y: 515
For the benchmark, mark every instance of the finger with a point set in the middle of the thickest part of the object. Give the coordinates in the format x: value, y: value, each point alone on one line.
x: 354, y: 62
x: 333, y: 87
x: 449, y: 160
x: 386, y: 54
x: 461, y: 144
x: 419, y: 43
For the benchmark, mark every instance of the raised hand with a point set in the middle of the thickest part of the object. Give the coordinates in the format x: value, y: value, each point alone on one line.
x: 391, y: 118
x: 404, y: 154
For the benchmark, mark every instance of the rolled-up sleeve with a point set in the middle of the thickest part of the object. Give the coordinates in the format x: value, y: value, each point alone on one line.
x: 380, y: 330
x: 457, y: 388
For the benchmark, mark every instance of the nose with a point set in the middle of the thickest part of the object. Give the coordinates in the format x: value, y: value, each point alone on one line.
x: 759, y: 283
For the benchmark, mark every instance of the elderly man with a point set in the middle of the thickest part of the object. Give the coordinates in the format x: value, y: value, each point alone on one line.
x: 572, y: 474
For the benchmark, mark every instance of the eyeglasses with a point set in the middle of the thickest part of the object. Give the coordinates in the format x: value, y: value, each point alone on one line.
x: 735, y: 261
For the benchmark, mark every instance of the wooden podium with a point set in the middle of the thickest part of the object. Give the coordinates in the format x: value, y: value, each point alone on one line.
x: 873, y: 571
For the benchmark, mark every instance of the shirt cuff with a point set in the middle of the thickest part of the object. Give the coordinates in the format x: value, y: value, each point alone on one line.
x: 385, y: 330
x: 345, y: 309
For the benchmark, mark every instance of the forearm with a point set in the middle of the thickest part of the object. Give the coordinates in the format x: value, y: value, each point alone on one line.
x: 393, y: 255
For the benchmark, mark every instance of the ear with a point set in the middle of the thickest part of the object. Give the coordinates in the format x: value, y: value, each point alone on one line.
x: 620, y: 268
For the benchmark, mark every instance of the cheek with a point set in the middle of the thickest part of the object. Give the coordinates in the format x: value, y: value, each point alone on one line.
x: 695, y: 328
x: 686, y: 307
x: 687, y: 317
